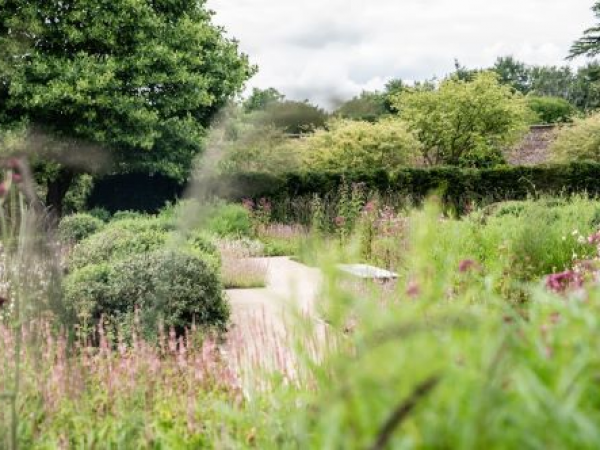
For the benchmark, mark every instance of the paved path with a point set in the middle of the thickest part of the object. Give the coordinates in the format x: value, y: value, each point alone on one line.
x: 290, y: 286
x: 265, y: 320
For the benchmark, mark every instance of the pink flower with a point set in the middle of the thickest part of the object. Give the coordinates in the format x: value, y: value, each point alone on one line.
x: 340, y: 221
x: 17, y: 178
x: 369, y: 207
x: 413, y: 290
x: 466, y: 265
x: 12, y: 163
x: 561, y: 282
x: 594, y: 238
x: 265, y: 204
x: 248, y: 204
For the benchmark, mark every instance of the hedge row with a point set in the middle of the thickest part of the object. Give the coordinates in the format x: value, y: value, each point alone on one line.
x: 460, y: 186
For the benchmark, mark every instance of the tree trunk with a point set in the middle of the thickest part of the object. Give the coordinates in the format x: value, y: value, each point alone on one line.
x: 57, y: 190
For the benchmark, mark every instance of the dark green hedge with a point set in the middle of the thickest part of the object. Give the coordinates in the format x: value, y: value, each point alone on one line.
x: 460, y: 186
x: 141, y: 192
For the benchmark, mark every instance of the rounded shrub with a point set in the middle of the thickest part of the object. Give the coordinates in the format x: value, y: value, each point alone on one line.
x: 167, y: 287
x: 115, y: 243
x: 77, y: 227
x: 551, y: 110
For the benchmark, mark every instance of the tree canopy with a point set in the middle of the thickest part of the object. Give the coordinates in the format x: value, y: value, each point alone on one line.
x: 143, y: 78
x: 465, y: 123
x: 589, y: 43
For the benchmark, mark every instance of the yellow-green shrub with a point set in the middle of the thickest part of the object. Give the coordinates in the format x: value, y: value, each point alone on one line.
x: 353, y: 146
x: 579, y: 142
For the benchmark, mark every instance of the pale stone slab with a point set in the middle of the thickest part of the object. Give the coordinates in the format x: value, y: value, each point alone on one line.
x: 367, y: 272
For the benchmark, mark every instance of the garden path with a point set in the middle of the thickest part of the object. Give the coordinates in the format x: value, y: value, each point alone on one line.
x: 265, y: 320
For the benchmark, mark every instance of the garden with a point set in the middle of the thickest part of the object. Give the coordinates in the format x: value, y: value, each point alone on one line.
x: 174, y: 255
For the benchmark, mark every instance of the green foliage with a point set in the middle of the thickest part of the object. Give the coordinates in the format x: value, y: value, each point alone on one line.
x: 579, y: 142
x: 100, y: 213
x: 465, y: 123
x: 127, y: 215
x: 368, y: 106
x: 117, y: 241
x: 139, y: 79
x: 294, y: 117
x: 513, y: 73
x: 551, y: 110
x: 173, y: 288
x: 261, y: 99
x: 532, y: 238
x: 76, y: 197
x: 353, y: 146
x: 229, y: 220
x: 461, y: 187
x: 203, y: 242
x: 589, y: 44
x: 258, y: 148
x: 77, y: 227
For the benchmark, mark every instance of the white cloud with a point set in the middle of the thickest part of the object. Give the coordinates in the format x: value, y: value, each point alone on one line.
x: 326, y: 50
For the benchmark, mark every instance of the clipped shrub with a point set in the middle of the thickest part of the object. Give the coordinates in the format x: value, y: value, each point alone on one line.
x: 77, y: 227
x: 115, y: 243
x: 229, y: 220
x: 167, y: 287
x: 550, y: 110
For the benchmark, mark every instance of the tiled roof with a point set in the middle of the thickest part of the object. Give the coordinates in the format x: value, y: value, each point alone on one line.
x: 534, y: 149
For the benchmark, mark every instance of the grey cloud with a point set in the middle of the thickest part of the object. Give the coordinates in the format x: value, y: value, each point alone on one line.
x: 326, y: 50
x: 321, y: 34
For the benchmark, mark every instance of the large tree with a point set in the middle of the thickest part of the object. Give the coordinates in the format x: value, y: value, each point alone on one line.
x: 465, y: 123
x: 139, y: 78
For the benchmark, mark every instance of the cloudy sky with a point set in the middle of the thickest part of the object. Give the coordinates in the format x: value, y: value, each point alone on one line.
x: 328, y: 50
